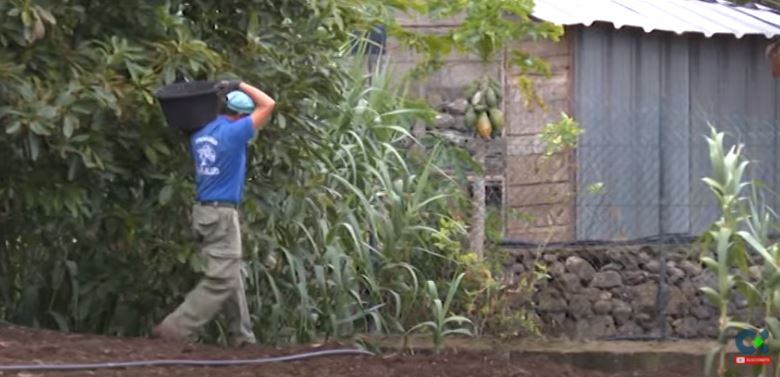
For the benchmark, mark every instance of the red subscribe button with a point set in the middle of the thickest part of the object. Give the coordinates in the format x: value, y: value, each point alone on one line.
x: 753, y: 360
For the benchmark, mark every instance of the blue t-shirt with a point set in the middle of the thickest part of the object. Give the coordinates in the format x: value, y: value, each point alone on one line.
x: 219, y: 151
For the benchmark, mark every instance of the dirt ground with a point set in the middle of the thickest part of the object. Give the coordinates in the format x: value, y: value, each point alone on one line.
x: 28, y: 346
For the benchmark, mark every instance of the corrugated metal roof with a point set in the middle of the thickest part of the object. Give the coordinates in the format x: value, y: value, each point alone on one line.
x: 707, y: 17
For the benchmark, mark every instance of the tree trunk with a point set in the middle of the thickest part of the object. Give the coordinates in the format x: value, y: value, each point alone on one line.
x: 477, y: 236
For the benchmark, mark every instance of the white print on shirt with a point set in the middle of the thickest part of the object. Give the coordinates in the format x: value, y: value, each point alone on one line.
x: 206, y: 139
x: 207, y: 155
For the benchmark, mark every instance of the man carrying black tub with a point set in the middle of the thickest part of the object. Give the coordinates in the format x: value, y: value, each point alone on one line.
x: 219, y: 151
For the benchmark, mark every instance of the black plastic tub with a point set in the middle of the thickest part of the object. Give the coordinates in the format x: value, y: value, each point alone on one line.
x: 188, y: 106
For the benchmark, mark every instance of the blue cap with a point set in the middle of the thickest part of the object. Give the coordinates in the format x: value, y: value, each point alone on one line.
x: 240, y: 102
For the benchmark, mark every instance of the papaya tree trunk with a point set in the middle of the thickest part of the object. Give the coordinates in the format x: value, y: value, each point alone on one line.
x: 477, y: 236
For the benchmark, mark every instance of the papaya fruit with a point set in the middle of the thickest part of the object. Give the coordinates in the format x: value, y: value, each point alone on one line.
x: 484, y: 128
x: 470, y: 119
x: 490, y: 98
x: 496, y: 118
x: 477, y: 99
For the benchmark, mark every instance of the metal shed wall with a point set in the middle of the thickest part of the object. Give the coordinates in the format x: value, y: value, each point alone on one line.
x: 644, y: 100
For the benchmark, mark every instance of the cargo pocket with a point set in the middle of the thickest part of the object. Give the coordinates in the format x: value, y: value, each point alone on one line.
x: 206, y: 223
x: 226, y: 241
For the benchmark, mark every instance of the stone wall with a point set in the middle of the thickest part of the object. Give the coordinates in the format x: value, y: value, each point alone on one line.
x: 614, y: 291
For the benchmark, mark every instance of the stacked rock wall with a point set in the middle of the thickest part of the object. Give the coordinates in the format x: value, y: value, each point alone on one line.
x: 623, y: 291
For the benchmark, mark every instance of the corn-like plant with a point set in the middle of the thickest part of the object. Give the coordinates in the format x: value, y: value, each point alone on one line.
x: 731, y: 258
x: 726, y: 183
x: 440, y: 325
x: 759, y: 222
x: 720, y: 296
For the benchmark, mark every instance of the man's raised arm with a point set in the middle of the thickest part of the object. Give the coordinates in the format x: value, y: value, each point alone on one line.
x: 264, y: 105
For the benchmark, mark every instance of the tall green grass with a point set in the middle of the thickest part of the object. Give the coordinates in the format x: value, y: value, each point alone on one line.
x: 353, y: 241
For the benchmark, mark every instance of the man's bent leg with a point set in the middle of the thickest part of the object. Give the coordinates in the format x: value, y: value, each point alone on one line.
x: 216, y: 233
x: 208, y: 297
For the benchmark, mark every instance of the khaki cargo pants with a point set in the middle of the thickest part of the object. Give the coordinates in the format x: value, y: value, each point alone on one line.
x: 222, y: 288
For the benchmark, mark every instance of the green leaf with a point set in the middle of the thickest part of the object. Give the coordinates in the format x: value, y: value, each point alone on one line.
x: 739, y: 325
x: 70, y: 123
x: 162, y: 148
x: 759, y: 248
x: 433, y: 292
x: 48, y: 112
x: 80, y: 138
x: 773, y: 324
x: 774, y: 345
x: 454, y: 286
x: 46, y: 15
x: 39, y: 129
x: 750, y: 292
x: 709, y: 360
x: 457, y: 331
x: 713, y: 184
x: 150, y: 154
x: 457, y: 319
x: 13, y: 128
x: 439, y: 312
x: 712, y: 264
x: 712, y: 295
x: 165, y: 195
x: 26, y: 19
x: 423, y: 325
